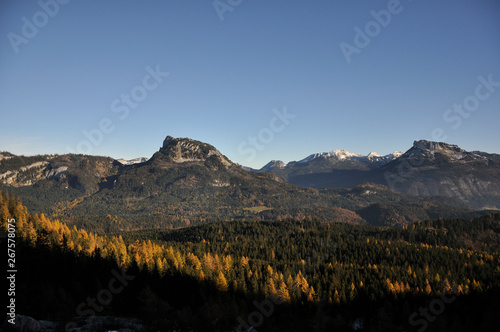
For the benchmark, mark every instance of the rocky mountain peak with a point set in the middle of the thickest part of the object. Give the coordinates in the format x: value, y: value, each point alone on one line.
x: 273, y: 164
x: 166, y: 142
x: 373, y: 155
x: 181, y: 150
x: 436, y: 146
x: 429, y: 149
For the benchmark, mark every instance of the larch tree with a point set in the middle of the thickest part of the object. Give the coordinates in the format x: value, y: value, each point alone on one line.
x: 221, y: 282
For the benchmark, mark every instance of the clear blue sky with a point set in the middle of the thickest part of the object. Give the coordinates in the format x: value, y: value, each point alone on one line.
x: 228, y: 77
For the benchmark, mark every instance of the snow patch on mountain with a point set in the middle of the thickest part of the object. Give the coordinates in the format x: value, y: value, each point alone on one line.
x: 346, y: 155
x: 132, y: 161
x: 273, y: 164
x: 339, y: 154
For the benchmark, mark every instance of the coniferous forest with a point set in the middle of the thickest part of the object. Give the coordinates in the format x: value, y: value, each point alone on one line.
x: 438, y: 275
x: 250, y: 166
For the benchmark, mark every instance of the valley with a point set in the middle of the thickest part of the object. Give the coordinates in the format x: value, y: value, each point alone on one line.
x: 204, y: 244
x: 188, y: 182
x: 215, y: 276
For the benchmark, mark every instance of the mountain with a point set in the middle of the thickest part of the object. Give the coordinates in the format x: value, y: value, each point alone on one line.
x: 186, y: 150
x: 427, y: 169
x: 189, y: 182
x: 132, y: 161
x: 371, y: 160
x: 440, y: 169
x: 273, y: 164
x: 338, y: 159
x: 83, y: 173
x: 318, y: 163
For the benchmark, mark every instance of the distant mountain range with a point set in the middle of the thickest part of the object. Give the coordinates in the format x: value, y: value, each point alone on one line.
x: 189, y: 182
x: 339, y: 159
x: 132, y: 161
x: 426, y: 169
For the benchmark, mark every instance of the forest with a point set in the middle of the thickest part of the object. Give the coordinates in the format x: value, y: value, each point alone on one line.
x: 294, y: 275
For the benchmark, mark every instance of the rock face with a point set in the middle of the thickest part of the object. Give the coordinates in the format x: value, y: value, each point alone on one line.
x: 273, y: 164
x: 426, y: 169
x: 80, y: 172
x: 166, y: 142
x: 181, y: 150
x: 429, y: 153
x: 440, y: 169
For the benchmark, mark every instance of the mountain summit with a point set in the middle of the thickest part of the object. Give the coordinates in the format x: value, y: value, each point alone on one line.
x: 431, y: 146
x: 337, y: 168
x: 429, y: 152
x: 182, y: 150
x: 426, y: 169
x: 335, y: 159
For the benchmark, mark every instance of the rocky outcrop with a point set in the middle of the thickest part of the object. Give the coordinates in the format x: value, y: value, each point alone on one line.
x: 426, y: 169
x: 182, y: 150
x: 80, y: 324
x: 80, y: 172
x: 22, y: 324
x: 440, y: 169
x: 273, y: 164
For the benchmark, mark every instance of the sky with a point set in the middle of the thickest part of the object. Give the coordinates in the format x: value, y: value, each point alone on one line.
x: 259, y: 80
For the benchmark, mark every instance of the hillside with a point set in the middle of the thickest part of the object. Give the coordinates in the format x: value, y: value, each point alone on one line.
x: 333, y: 276
x: 189, y: 182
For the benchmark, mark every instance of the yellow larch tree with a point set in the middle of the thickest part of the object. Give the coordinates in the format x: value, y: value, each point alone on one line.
x: 283, y: 293
x: 221, y: 282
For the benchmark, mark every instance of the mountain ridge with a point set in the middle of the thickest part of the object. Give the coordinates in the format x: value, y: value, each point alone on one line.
x: 426, y: 169
x: 340, y: 155
x: 189, y: 182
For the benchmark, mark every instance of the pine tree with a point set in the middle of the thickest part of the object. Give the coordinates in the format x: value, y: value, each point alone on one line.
x: 283, y: 293
x: 311, y: 294
x: 227, y: 263
x: 270, y: 286
x: 4, y: 215
x: 428, y: 289
x: 221, y: 282
x: 159, y: 266
x: 244, y: 261
x: 390, y: 286
x: 336, y: 297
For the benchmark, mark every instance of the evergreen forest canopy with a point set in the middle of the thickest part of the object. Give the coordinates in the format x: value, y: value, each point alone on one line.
x: 320, y: 276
